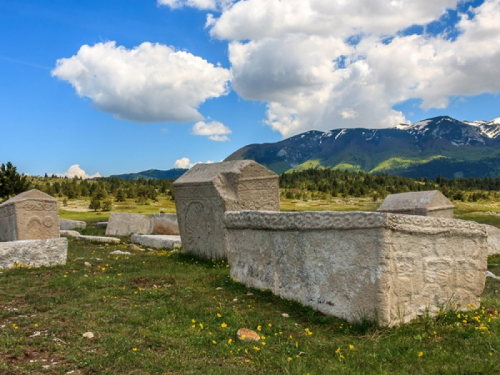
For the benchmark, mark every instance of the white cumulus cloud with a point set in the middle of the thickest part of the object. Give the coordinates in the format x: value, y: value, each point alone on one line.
x: 76, y: 171
x: 148, y: 83
x: 328, y: 64
x: 215, y: 130
x: 185, y: 163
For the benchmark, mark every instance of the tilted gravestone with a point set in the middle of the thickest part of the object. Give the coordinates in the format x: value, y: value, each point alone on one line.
x: 206, y: 191
x: 165, y: 224
x: 31, y: 215
x: 424, y: 203
x: 125, y: 224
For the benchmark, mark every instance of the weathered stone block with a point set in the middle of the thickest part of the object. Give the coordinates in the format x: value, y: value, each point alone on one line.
x: 66, y: 224
x: 34, y: 253
x: 31, y: 215
x: 206, y: 191
x: 423, y: 203
x: 125, y: 224
x: 356, y: 265
x: 493, y: 239
x: 157, y: 241
x: 165, y: 224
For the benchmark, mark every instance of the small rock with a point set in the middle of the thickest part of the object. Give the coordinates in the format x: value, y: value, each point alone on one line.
x: 119, y: 252
x: 249, y: 294
x: 285, y: 315
x: 218, y: 288
x: 134, y: 247
x: 87, y: 264
x: 245, y: 334
x: 88, y: 335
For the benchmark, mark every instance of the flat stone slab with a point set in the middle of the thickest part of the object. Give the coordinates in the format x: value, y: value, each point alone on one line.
x: 34, y: 253
x: 99, y: 239
x: 157, y: 241
x: 70, y: 233
x: 355, y: 265
x: 493, y: 239
x: 66, y: 224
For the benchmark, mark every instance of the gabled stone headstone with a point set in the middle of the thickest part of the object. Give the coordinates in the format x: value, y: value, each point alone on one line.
x: 31, y: 215
x: 206, y: 191
x: 423, y: 203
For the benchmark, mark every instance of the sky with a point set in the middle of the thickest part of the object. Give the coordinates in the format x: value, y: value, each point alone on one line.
x: 96, y: 88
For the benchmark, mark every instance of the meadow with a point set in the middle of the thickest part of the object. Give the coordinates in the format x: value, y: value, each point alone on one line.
x: 163, y: 312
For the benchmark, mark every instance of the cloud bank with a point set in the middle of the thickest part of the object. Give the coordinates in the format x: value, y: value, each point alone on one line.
x: 76, y: 171
x: 149, y: 83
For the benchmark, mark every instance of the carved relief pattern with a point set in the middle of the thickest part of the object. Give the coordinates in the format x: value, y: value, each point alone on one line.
x: 340, y: 220
x: 38, y: 206
x: 197, y: 227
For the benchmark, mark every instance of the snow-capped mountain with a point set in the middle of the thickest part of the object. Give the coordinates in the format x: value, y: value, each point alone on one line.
x: 440, y: 145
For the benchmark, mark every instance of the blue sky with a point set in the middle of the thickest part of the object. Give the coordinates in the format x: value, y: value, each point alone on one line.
x: 109, y: 87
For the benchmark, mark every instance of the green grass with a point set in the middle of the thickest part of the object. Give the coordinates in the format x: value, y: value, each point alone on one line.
x: 167, y: 313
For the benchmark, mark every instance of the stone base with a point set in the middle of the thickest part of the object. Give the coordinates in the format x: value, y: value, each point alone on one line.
x: 157, y: 241
x: 34, y: 253
x: 360, y: 265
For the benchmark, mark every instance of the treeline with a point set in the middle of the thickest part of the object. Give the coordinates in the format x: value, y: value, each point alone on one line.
x: 105, y: 188
x: 322, y: 183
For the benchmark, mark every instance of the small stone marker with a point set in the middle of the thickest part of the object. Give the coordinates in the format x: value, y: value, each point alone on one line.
x: 423, y: 203
x: 206, y: 191
x: 125, y: 224
x: 31, y: 215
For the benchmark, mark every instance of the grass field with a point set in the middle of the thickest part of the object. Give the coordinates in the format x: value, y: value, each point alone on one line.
x: 162, y: 312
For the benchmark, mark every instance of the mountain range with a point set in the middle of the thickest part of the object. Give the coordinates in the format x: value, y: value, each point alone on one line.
x: 153, y: 174
x: 436, y: 146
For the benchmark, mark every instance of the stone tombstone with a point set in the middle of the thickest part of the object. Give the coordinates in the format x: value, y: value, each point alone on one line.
x: 125, y: 224
x: 31, y: 215
x: 206, y: 191
x: 423, y: 203
x: 360, y: 265
x: 165, y: 224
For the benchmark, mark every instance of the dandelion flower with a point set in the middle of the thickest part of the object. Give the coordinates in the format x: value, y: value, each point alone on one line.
x: 214, y: 342
x: 229, y: 341
x: 420, y: 354
x: 219, y: 315
x: 259, y: 328
x: 337, y: 351
x: 223, y: 325
x: 351, y: 347
x: 134, y: 349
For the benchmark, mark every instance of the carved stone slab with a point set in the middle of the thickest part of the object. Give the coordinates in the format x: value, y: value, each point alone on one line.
x: 66, y: 224
x: 31, y: 215
x: 206, y: 191
x: 424, y: 203
x: 357, y: 265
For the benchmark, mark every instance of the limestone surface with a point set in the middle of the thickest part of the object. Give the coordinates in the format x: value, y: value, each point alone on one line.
x: 165, y: 224
x: 34, y: 253
x: 424, y: 203
x: 206, y: 191
x: 356, y: 265
x: 493, y: 240
x: 31, y: 215
x: 125, y: 224
x: 157, y: 241
x: 66, y: 224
